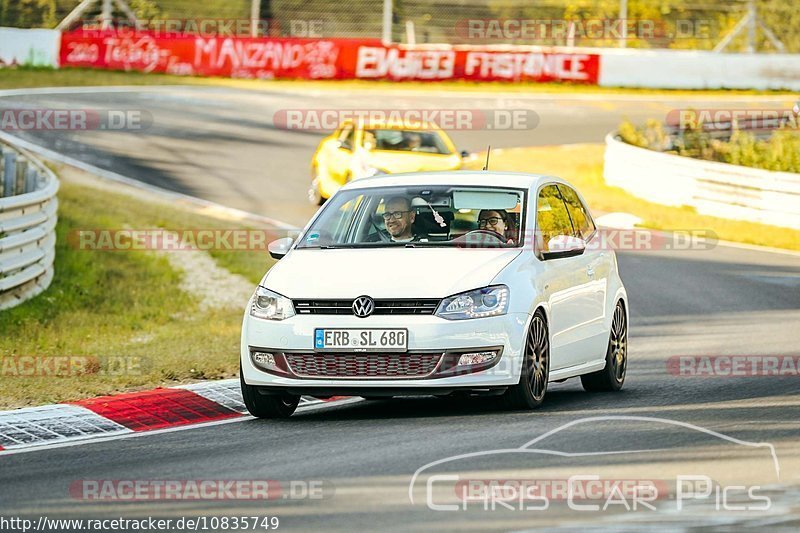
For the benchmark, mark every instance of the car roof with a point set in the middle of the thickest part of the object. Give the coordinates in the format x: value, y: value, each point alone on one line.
x: 487, y: 178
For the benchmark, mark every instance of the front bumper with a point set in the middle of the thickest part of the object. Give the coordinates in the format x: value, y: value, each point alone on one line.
x: 425, y: 334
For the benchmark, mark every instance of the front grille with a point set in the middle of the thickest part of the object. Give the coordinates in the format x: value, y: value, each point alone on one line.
x: 382, y: 307
x: 362, y: 365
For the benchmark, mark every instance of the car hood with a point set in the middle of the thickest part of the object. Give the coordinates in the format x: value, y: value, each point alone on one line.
x: 396, y: 162
x: 385, y: 272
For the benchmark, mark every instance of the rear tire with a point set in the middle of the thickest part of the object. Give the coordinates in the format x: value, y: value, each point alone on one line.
x: 612, y: 376
x: 263, y: 406
x: 529, y: 393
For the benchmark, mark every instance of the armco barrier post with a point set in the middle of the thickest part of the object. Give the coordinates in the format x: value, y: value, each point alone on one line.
x: 9, y: 172
x: 19, y: 177
x: 31, y: 180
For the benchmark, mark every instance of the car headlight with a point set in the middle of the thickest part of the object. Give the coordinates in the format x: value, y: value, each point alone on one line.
x: 271, y: 305
x: 480, y: 303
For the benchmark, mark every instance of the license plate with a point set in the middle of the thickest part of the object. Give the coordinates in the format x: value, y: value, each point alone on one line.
x: 361, y: 340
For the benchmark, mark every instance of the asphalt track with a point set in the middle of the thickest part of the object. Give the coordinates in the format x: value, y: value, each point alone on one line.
x: 221, y: 145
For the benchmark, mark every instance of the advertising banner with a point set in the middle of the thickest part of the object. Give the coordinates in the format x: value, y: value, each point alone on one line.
x: 273, y: 58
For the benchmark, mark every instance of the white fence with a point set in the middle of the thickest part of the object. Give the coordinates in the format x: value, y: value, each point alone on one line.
x: 30, y: 47
x: 28, y: 211
x: 684, y: 69
x: 716, y: 189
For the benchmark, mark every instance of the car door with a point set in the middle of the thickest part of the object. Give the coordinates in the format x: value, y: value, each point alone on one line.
x: 333, y: 159
x: 597, y: 262
x: 342, y: 154
x: 566, y: 282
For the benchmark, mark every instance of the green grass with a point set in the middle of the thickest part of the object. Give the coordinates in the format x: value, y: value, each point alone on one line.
x: 121, y: 303
x: 25, y: 77
x: 582, y: 165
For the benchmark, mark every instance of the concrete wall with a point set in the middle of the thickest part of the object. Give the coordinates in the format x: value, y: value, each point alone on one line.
x: 716, y: 189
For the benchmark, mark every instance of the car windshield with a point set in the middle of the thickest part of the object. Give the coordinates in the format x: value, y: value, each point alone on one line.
x: 479, y: 217
x: 405, y: 141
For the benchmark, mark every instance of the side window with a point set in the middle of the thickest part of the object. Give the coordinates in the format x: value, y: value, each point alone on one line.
x: 584, y: 227
x: 552, y: 218
x: 347, y: 137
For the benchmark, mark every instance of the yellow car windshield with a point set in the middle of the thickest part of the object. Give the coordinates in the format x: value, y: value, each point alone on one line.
x: 405, y: 141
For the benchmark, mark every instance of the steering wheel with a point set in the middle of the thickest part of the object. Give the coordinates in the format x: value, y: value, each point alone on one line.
x: 479, y: 232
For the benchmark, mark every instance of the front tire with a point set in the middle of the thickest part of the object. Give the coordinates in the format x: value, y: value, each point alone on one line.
x: 529, y: 393
x: 612, y: 377
x: 263, y: 406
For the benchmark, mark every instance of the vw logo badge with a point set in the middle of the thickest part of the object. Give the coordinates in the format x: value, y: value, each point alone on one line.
x: 363, y: 306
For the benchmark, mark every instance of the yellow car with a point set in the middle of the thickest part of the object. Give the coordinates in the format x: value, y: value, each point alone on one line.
x: 356, y: 150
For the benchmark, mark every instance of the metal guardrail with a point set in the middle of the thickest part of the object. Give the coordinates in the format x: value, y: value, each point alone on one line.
x: 712, y: 188
x: 28, y: 213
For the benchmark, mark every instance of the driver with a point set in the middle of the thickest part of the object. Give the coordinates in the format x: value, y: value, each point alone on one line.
x: 370, y: 142
x: 413, y: 141
x: 399, y: 219
x: 497, y: 221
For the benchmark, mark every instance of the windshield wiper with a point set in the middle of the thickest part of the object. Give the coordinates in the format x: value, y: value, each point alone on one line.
x: 343, y: 246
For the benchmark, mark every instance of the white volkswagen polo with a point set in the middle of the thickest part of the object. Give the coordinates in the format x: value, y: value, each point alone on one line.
x: 437, y: 284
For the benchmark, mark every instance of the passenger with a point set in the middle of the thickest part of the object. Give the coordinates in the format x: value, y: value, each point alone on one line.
x: 413, y: 142
x: 500, y: 222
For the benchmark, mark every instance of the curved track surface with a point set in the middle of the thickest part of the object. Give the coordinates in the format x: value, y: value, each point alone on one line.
x: 221, y: 145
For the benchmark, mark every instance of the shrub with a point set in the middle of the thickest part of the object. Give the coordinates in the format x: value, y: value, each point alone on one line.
x: 780, y: 151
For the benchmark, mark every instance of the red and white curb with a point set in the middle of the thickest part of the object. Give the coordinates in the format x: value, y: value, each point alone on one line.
x: 128, y: 413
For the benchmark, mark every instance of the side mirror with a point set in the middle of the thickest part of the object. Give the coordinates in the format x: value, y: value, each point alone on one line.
x: 465, y: 153
x: 564, y: 246
x: 279, y: 248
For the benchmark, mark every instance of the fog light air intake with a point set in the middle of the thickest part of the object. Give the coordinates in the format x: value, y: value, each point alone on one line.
x: 476, y: 358
x: 264, y: 360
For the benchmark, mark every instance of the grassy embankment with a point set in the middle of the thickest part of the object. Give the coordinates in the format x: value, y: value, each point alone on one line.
x: 125, y: 308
